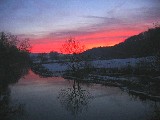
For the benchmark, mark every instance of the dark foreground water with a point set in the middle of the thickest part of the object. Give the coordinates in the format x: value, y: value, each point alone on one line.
x: 55, y: 98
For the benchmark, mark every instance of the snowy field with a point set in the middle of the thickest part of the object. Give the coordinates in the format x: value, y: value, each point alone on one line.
x: 55, y: 67
x: 113, y: 63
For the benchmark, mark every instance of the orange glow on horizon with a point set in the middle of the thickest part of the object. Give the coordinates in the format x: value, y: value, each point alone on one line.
x: 90, y: 40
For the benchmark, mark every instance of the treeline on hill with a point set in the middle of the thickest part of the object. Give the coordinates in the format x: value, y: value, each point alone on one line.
x: 14, y: 58
x: 144, y: 44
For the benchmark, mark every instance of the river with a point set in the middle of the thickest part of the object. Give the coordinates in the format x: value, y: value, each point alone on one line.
x: 56, y: 98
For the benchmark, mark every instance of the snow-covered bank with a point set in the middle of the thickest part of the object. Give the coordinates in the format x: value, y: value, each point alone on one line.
x: 113, y: 63
x: 121, y: 63
x: 55, y: 67
x: 99, y: 77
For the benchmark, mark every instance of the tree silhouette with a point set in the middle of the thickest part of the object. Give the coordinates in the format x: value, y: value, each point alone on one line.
x: 12, y: 58
x: 24, y: 45
x: 7, y: 110
x: 74, y: 59
x: 71, y: 46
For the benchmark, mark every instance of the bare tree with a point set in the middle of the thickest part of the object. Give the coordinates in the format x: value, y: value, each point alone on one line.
x: 24, y: 45
x: 8, y: 40
x: 73, y: 48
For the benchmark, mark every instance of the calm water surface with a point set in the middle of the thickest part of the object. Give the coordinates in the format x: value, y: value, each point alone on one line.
x: 56, y: 98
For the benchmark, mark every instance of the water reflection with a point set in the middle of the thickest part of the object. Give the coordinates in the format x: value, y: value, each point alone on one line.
x: 75, y: 99
x: 12, y: 76
x: 78, y: 101
x: 155, y: 115
x: 8, y: 110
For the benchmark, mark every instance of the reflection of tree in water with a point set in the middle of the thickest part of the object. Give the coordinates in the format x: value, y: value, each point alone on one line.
x: 7, y: 111
x: 13, y: 75
x: 74, y: 99
x: 156, y: 113
x: 154, y: 105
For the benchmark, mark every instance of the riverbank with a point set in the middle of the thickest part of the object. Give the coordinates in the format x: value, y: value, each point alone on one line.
x: 139, y: 85
x: 135, y: 75
x: 143, y: 88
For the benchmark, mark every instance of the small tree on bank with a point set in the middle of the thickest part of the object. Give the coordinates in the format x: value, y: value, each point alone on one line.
x: 73, y: 48
x: 74, y: 60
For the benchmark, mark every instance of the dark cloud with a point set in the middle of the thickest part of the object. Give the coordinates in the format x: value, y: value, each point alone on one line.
x: 94, y: 17
x: 66, y: 33
x: 26, y: 36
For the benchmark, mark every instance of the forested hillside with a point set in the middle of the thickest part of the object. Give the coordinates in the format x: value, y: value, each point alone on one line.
x: 144, y: 44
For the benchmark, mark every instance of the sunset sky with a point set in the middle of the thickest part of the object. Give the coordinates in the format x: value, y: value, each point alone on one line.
x: 48, y: 23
